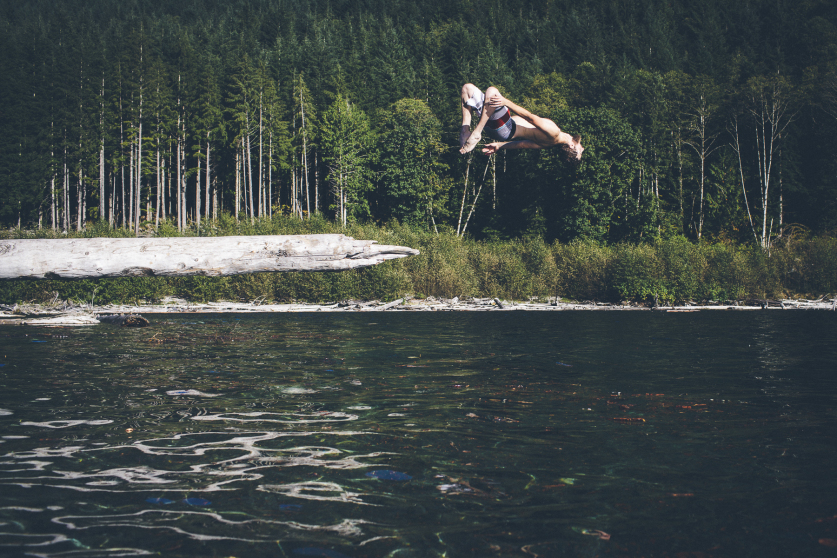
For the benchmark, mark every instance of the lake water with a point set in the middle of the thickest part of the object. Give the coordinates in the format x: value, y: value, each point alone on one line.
x: 431, y: 434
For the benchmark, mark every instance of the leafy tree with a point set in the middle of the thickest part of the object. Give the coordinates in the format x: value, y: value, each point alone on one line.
x: 348, y: 151
x: 594, y: 199
x: 411, y: 144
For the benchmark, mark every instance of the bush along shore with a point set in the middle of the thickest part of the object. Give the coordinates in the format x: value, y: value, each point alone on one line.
x: 672, y: 271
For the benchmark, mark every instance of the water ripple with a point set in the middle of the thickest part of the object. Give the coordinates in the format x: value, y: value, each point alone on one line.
x: 163, y: 519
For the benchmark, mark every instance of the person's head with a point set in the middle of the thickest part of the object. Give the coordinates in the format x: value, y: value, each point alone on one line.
x: 572, y: 151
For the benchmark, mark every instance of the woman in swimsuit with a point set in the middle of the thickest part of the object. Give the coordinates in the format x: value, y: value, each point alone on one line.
x: 524, y: 130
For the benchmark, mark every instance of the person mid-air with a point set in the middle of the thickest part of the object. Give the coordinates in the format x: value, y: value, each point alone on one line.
x: 524, y: 130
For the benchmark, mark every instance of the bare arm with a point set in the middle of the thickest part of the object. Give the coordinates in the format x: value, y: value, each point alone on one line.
x: 498, y: 101
x: 492, y: 148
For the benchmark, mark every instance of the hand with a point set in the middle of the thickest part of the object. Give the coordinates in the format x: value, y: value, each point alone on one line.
x: 495, y: 101
x: 493, y: 148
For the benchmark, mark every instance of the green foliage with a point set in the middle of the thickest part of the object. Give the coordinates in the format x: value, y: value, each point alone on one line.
x: 636, y: 79
x: 670, y: 270
x: 347, y: 140
x: 592, y: 198
x: 411, y: 142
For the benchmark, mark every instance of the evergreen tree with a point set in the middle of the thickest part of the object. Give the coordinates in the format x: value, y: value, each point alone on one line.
x: 348, y: 152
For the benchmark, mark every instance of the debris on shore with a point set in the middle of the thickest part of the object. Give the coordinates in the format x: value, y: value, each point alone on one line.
x: 66, y: 314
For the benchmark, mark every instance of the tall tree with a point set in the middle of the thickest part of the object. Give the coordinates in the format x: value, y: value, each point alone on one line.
x: 348, y: 142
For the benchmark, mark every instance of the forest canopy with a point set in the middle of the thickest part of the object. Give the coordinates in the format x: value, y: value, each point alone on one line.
x: 709, y: 120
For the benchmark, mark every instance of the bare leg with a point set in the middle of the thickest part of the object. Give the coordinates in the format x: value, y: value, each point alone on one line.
x: 469, y: 91
x: 476, y: 135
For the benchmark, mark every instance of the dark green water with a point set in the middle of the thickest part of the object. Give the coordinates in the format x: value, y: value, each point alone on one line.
x: 507, y: 423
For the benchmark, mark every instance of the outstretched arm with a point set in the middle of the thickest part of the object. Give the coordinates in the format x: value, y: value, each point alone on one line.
x: 543, y: 124
x: 493, y: 148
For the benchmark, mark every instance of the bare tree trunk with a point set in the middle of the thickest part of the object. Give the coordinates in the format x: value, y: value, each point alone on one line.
x: 208, y: 173
x: 261, y: 165
x: 111, y: 217
x: 477, y: 195
x: 250, y: 179
x: 316, y: 184
x: 215, y: 199
x: 237, y: 184
x: 52, y: 200
x: 66, y: 193
x: 102, y: 152
x: 179, y: 200
x: 198, y: 194
x: 139, y: 170
x: 159, y: 187
x: 737, y: 148
x: 80, y: 208
x: 182, y: 184
x: 305, y: 156
x: 131, y: 189
x: 464, y: 195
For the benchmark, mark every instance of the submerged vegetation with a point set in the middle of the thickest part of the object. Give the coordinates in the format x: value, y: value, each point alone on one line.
x: 671, y: 270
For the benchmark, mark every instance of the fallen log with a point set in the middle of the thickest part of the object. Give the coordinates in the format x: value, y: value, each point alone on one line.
x: 87, y: 258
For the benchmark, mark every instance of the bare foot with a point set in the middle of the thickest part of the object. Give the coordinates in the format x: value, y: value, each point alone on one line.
x: 472, y: 142
x: 492, y: 148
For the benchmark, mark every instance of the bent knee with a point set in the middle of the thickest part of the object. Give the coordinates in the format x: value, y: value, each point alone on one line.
x: 491, y: 91
x: 468, y: 90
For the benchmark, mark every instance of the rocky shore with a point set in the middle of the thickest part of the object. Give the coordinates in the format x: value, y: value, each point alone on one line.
x: 68, y: 314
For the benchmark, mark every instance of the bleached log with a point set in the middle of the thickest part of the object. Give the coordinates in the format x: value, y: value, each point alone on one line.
x: 87, y: 258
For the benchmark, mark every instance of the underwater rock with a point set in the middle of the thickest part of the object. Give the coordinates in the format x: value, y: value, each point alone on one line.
x: 125, y: 320
x: 384, y: 474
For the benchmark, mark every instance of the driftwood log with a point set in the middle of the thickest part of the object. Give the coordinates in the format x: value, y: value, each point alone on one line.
x: 87, y: 258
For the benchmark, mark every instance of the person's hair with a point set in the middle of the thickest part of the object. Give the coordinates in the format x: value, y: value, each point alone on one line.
x: 570, y: 152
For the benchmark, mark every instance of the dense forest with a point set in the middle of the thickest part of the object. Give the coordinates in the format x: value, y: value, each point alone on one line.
x: 711, y: 120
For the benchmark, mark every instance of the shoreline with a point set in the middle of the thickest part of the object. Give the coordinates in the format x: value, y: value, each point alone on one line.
x: 69, y: 315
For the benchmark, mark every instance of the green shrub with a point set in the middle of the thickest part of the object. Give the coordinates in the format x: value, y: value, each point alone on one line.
x: 672, y: 270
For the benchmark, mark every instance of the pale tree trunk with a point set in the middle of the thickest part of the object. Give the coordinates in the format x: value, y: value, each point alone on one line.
x: 250, y: 178
x: 305, y: 156
x: 207, y: 176
x: 121, y: 157
x: 159, y: 185
x: 163, y: 197
x: 198, y: 194
x: 293, y: 189
x: 139, y: 169
x: 737, y: 148
x: 182, y: 184
x: 261, y: 166
x: 316, y: 184
x: 111, y: 217
x: 52, y: 200
x: 703, y: 145
x: 769, y: 107
x: 464, y: 195
x: 65, y: 195
x: 237, y: 184
x: 781, y: 194
x: 215, y: 199
x: 270, y: 176
x: 179, y: 201
x: 102, y: 153
x: 477, y: 195
x: 81, y: 196
x: 131, y: 188
x: 172, y: 257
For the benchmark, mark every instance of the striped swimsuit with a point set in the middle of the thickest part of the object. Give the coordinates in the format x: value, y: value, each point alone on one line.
x: 500, y: 126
